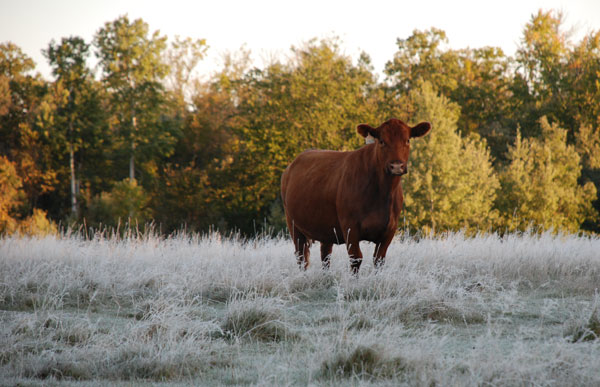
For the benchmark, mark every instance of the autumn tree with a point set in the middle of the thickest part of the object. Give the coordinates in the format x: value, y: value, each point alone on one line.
x: 541, y: 57
x: 11, y: 198
x: 21, y: 105
x: 560, y: 81
x: 561, y: 76
x: 11, y: 195
x: 423, y: 56
x: 540, y: 185
x: 451, y: 184
x: 182, y: 57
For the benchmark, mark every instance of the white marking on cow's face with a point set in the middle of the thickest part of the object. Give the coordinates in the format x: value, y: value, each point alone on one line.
x: 369, y: 139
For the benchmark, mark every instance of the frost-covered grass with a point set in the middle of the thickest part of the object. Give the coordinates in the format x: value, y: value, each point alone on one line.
x: 489, y: 310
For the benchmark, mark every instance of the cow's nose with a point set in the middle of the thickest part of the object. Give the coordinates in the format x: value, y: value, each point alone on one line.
x: 397, y: 168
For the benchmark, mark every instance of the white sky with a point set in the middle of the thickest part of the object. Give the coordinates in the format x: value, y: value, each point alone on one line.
x: 270, y: 28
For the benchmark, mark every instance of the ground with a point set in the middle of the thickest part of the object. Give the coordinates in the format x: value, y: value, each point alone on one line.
x: 191, y: 310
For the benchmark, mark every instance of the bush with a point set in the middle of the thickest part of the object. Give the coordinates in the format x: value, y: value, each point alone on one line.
x: 127, y: 202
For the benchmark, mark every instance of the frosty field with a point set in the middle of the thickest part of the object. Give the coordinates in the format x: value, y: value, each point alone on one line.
x: 489, y: 310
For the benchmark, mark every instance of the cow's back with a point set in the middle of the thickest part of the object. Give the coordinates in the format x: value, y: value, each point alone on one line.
x: 309, y: 187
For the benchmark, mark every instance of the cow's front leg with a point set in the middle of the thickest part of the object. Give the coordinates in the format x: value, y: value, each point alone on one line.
x: 353, y: 247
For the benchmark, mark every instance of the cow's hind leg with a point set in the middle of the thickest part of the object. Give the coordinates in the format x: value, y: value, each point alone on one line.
x: 302, y: 246
x: 326, y: 249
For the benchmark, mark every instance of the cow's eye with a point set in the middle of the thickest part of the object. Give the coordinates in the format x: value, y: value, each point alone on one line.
x: 381, y: 142
x: 407, y: 142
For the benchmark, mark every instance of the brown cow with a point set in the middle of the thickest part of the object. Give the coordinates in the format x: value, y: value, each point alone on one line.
x: 346, y: 197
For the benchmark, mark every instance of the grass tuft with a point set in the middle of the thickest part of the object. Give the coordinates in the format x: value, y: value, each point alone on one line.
x: 258, y: 319
x: 364, y: 362
x: 588, y: 331
x: 61, y: 370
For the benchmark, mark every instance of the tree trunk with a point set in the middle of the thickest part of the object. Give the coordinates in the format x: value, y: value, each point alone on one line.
x: 132, y: 164
x: 432, y: 217
x: 73, y: 181
x: 132, y: 158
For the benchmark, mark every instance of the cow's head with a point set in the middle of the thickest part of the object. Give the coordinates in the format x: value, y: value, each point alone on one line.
x: 392, y: 143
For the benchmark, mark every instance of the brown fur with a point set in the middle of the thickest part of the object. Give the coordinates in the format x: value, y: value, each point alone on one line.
x: 345, y: 197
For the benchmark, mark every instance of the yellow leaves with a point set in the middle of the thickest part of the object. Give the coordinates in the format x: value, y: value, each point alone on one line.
x: 11, y: 194
x: 451, y: 183
x: 37, y: 224
x: 587, y: 143
x: 540, y: 185
x: 11, y: 198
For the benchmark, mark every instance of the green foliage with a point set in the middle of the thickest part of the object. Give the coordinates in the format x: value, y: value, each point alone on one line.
x: 540, y: 185
x: 128, y: 56
x: 69, y: 59
x: 313, y: 101
x: 133, y: 69
x: 561, y: 77
x: 476, y: 79
x: 542, y: 52
x: 451, y: 183
x: 421, y: 57
x: 185, y: 198
x: 276, y: 217
x: 126, y: 203
x: 73, y: 114
x: 583, y: 82
x: 182, y: 57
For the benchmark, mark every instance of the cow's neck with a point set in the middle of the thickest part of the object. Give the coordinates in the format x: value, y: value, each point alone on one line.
x: 388, y: 186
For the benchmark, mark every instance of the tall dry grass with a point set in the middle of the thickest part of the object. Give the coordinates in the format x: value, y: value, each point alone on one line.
x: 519, y: 309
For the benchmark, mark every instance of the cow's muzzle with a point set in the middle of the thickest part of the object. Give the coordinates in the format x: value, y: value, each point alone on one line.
x: 397, y: 168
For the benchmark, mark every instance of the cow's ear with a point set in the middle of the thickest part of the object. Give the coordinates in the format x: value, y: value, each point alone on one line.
x: 367, y: 130
x: 420, y: 130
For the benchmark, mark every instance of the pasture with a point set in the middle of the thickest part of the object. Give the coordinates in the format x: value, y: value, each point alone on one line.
x: 522, y: 309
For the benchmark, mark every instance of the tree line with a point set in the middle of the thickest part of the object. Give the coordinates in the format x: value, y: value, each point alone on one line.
x: 515, y: 141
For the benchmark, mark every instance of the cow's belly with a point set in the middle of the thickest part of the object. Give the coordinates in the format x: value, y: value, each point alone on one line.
x: 332, y: 235
x: 317, y: 221
x: 374, y: 227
